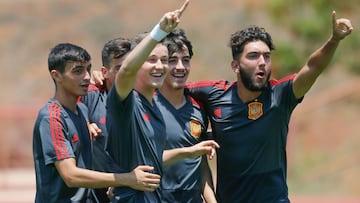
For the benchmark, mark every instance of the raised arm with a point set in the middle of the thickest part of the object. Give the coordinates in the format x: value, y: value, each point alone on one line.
x: 320, y: 59
x: 125, y: 78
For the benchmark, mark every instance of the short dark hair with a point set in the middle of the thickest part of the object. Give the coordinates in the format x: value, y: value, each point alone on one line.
x: 65, y: 52
x: 115, y: 48
x: 253, y: 33
x: 137, y: 39
x: 175, y: 41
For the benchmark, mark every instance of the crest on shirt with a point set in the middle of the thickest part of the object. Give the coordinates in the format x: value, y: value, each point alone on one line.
x: 195, y: 128
x: 255, y: 110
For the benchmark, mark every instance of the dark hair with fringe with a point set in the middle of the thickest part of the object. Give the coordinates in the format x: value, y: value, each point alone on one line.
x: 115, y: 48
x: 176, y: 40
x: 64, y: 52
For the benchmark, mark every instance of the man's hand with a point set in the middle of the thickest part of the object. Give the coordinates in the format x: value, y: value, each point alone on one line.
x: 205, y: 147
x: 94, y: 130
x: 341, y: 27
x: 171, y: 19
x: 142, y: 179
x: 110, y: 192
x: 97, y: 78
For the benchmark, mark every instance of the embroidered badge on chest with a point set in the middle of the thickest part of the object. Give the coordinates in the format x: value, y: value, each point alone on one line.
x: 195, y: 128
x: 255, y: 110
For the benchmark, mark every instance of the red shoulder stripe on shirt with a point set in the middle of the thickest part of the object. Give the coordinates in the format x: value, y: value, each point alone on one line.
x: 195, y: 103
x: 274, y: 82
x: 56, y: 132
x: 222, y: 84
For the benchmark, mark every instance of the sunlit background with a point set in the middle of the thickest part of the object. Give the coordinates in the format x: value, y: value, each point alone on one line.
x: 324, y: 139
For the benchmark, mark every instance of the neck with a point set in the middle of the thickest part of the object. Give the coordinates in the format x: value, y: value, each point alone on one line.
x: 246, y: 95
x: 68, y: 101
x: 107, y: 85
x: 174, y: 96
x: 147, y: 93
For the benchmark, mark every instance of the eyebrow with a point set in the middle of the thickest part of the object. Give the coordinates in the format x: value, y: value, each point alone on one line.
x: 81, y: 66
x: 258, y: 53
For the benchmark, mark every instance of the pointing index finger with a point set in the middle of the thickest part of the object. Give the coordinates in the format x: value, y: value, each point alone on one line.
x: 334, y: 18
x: 183, y: 7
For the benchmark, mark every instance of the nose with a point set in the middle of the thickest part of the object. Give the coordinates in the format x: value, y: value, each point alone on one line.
x: 160, y: 65
x: 261, y: 60
x: 179, y: 65
x: 87, y: 75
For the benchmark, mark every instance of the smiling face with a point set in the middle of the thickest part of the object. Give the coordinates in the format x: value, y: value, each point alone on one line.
x: 179, y: 69
x: 254, y: 65
x: 152, y: 73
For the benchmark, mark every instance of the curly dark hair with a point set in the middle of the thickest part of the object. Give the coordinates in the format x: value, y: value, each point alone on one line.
x: 175, y: 41
x: 253, y: 33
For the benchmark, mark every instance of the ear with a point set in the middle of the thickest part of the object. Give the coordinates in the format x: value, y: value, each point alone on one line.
x: 56, y: 76
x: 104, y: 74
x: 104, y: 71
x: 235, y: 66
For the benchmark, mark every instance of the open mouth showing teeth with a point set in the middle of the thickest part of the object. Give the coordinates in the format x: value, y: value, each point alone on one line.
x: 157, y: 74
x: 181, y: 75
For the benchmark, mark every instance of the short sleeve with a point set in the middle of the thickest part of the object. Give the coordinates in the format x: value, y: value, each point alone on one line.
x: 54, y: 141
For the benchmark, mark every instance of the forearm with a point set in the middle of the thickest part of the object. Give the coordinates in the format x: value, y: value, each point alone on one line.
x: 171, y: 156
x: 74, y: 176
x: 315, y: 65
x: 139, y: 54
x: 204, y: 147
x: 207, y: 182
x: 209, y: 195
x: 94, y: 179
x: 321, y: 58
